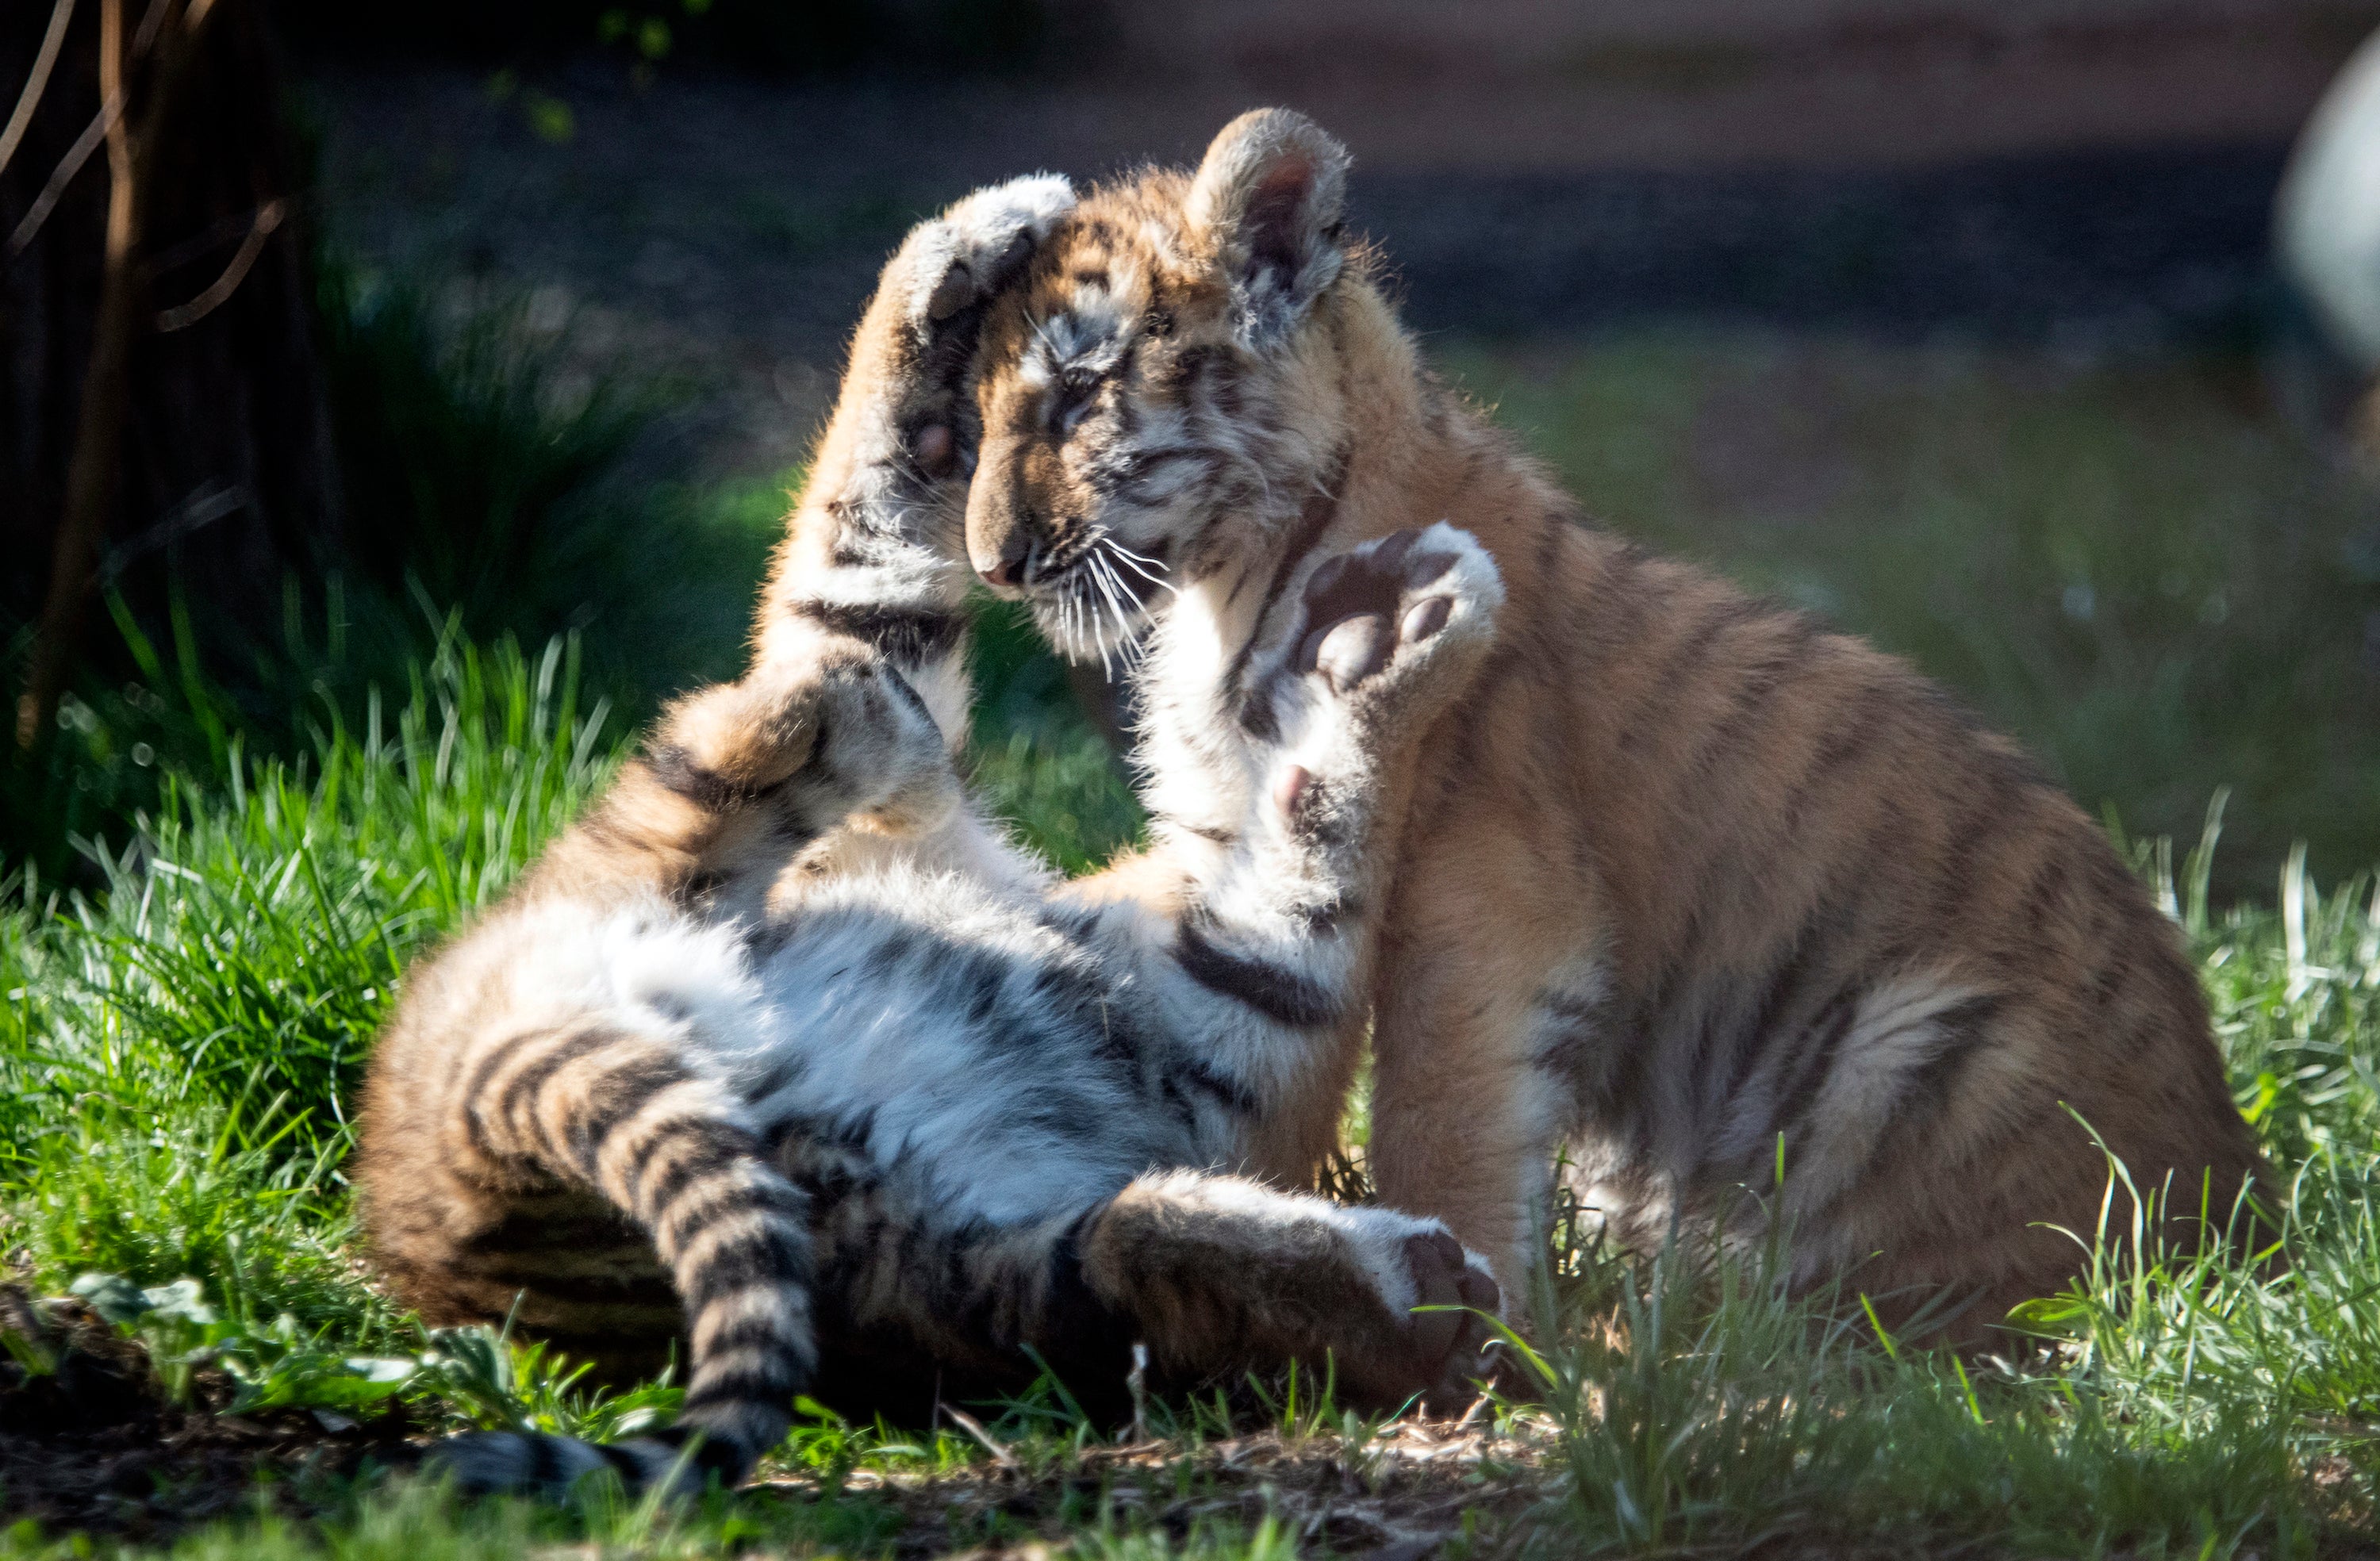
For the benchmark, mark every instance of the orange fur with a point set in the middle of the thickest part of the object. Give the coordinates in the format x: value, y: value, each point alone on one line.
x: 1687, y: 872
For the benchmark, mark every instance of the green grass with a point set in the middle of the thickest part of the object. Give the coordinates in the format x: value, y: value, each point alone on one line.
x: 2136, y: 567
x: 178, y: 1055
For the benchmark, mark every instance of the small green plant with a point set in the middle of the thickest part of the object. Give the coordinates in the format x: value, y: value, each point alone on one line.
x: 276, y: 1365
x: 506, y: 1384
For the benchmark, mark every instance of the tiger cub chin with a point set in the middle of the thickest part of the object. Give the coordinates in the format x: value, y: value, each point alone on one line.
x: 1690, y: 882
x: 782, y: 1052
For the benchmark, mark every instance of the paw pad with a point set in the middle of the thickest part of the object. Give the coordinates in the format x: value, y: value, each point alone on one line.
x: 962, y: 285
x: 1353, y: 601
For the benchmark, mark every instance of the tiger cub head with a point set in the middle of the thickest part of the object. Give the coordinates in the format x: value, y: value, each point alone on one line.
x: 1162, y: 393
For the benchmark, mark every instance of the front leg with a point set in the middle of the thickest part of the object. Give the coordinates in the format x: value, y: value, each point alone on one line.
x: 1256, y: 972
x: 738, y: 780
x: 872, y: 553
x: 1220, y: 1276
x: 1481, y: 1017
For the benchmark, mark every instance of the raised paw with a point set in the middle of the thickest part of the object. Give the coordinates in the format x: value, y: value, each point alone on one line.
x: 818, y: 740
x: 983, y: 241
x: 734, y: 742
x: 946, y: 270
x: 1386, y: 601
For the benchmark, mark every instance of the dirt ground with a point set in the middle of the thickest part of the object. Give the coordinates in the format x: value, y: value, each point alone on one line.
x: 90, y: 1441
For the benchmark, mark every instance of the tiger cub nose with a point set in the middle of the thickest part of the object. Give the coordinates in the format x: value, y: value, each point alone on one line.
x: 1006, y: 571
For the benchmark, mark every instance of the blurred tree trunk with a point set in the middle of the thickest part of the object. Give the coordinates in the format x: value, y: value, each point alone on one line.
x: 158, y: 376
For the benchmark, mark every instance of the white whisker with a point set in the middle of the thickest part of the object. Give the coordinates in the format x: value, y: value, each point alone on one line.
x: 1112, y: 593
x: 1145, y: 567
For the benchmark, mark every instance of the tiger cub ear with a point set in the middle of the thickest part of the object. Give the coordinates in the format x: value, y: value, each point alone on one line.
x: 1266, y: 207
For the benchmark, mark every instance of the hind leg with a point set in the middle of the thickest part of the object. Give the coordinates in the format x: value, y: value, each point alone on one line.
x: 603, y: 1122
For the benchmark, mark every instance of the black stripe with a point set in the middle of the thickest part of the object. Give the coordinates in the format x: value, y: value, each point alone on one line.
x: 1549, y: 540
x: 782, y: 1073
x: 974, y: 1290
x: 1281, y: 995
x: 911, y: 635
x: 575, y: 1227
x: 682, y: 1225
x: 718, y: 1150
x: 1817, y: 1045
x: 1230, y: 1090
x: 624, y: 1091
x: 763, y: 1333
x: 1749, y: 699
x: 475, y: 1090
x: 1965, y: 1028
x: 1325, y: 918
x: 764, y: 1257
x: 1071, y: 1308
x: 1854, y: 733
x: 630, y: 1286
x: 1787, y: 985
x: 529, y: 1080
x: 1692, y: 653
x: 674, y: 768
x: 1569, y: 1028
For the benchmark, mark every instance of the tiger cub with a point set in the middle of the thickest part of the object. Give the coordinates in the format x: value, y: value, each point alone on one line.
x: 781, y: 1048
x: 1688, y: 882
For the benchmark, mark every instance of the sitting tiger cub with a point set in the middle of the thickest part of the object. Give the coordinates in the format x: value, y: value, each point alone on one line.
x: 781, y: 1048
x: 1692, y: 886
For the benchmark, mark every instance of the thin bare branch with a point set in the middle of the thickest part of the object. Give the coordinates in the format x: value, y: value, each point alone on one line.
x: 103, y: 122
x: 62, y: 175
x: 99, y: 434
x: 146, y: 34
x: 39, y: 81
x: 268, y: 218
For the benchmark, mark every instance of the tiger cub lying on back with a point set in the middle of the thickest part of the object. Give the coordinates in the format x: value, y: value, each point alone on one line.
x: 1690, y: 884
x: 780, y: 1047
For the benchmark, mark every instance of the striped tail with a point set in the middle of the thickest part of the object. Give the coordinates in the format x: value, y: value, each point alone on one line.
x: 617, y: 1112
